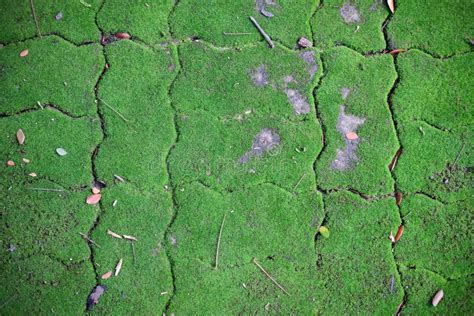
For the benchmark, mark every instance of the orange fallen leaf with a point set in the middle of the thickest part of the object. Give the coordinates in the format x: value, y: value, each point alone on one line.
x: 10, y: 163
x: 399, y: 233
x: 398, y: 198
x: 95, y: 190
x: 106, y: 275
x: 391, y: 5
x: 93, y: 199
x: 397, y: 51
x: 118, y: 267
x: 351, y: 136
x: 20, y: 136
x: 23, y: 53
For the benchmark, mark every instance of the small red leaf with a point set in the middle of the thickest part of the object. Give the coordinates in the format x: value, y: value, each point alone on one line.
x: 397, y: 51
x: 23, y: 53
x: 399, y: 233
x: 93, y: 199
x: 121, y: 35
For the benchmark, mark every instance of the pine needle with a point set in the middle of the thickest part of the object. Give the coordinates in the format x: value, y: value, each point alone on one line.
x: 219, y: 241
x: 36, y: 19
x: 270, y: 277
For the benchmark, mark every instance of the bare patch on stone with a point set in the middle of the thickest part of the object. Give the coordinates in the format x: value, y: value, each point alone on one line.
x: 262, y: 7
x: 298, y: 101
x: 264, y: 141
x: 259, y: 76
x: 345, y: 92
x: 349, y: 13
x: 346, y: 157
x: 309, y: 58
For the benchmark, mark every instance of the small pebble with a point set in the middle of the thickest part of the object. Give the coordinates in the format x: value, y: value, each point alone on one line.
x: 61, y: 151
x: 304, y: 42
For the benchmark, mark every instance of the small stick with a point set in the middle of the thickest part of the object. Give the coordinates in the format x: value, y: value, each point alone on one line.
x: 237, y: 33
x: 117, y: 112
x: 457, y: 157
x: 265, y: 35
x: 133, y: 251
x: 89, y: 240
x: 299, y: 181
x: 219, y: 241
x: 46, y: 189
x: 34, y: 16
x: 270, y: 277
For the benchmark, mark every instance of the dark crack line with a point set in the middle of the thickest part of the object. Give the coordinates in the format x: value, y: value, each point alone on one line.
x: 168, y: 232
x: 400, y: 148
x: 51, y: 34
x: 48, y: 106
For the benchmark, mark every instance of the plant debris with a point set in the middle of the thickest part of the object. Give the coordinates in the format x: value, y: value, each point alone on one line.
x: 58, y: 16
x: 391, y: 237
x: 89, y: 240
x: 122, y: 35
x: 437, y: 298
x: 95, y: 190
x: 106, y: 275
x: 115, y: 235
x: 352, y: 136
x: 392, y: 164
x: 26, y: 160
x: 20, y: 136
x: 270, y: 277
x: 324, y: 231
x: 398, y: 198
x: 11, y: 163
x: 94, y: 297
x: 397, y: 51
x: 264, y: 34
x: 24, y: 53
x: 129, y: 237
x: 219, y: 241
x: 391, y: 5
x: 93, y: 199
x: 85, y: 4
x: 32, y: 174
x: 116, y: 176
x: 118, y: 267
x: 399, y: 233
x: 61, y: 151
x: 304, y: 42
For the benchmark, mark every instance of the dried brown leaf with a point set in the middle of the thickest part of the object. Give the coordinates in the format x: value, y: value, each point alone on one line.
x: 351, y: 136
x: 393, y: 163
x: 391, y: 5
x: 10, y: 163
x: 93, y: 199
x: 398, y: 198
x: 118, y: 267
x: 111, y: 233
x: 106, y: 275
x: 397, y: 51
x: 122, y: 35
x: 129, y: 237
x: 95, y: 190
x: 399, y: 233
x: 20, y: 136
x: 24, y: 53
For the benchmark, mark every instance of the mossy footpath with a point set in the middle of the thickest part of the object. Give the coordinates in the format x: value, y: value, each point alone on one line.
x: 163, y: 158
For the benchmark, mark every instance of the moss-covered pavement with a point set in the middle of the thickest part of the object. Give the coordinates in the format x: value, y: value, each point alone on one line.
x: 236, y: 178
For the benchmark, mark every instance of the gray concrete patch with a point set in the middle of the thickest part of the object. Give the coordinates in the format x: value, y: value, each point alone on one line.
x: 298, y: 101
x: 347, y: 156
x: 349, y: 13
x: 264, y: 141
x: 345, y: 92
x: 262, y: 7
x: 259, y: 76
x: 309, y: 58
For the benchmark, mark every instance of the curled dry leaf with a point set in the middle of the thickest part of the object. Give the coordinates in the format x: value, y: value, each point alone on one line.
x: 392, y: 239
x: 398, y: 198
x: 129, y: 237
x: 20, y: 136
x: 323, y: 230
x: 351, y: 136
x: 95, y: 190
x: 397, y: 51
x: 24, y: 53
x: 106, y: 275
x: 399, y: 233
x: 93, y: 199
x: 118, y: 267
x: 391, y: 5
x: 10, y: 163
x: 437, y: 298
x: 111, y: 233
x: 122, y: 35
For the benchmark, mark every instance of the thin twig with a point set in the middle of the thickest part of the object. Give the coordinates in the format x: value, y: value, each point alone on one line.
x: 236, y: 33
x: 270, y: 277
x: 219, y: 241
x: 36, y: 19
x: 265, y: 35
x: 457, y: 157
x: 89, y: 240
x: 116, y: 112
x: 299, y: 181
x: 133, y: 251
x: 46, y: 189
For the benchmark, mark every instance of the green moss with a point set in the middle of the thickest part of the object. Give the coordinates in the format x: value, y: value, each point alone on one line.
x: 221, y: 110
x: 433, y: 122
x: 45, y: 131
x: 145, y: 20
x: 265, y: 222
x: 54, y: 72
x: 355, y: 267
x: 438, y: 27
x: 211, y: 20
x: 422, y: 285
x: 77, y: 22
x: 369, y: 80
x: 436, y: 236
x: 363, y: 34
x: 136, y: 85
x: 145, y: 275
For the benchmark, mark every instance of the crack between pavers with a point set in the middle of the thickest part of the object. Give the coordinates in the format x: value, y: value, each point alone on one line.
x: 95, y: 152
x: 47, y: 106
x: 444, y: 277
x: 167, y: 234
x: 57, y: 34
x: 398, y: 152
